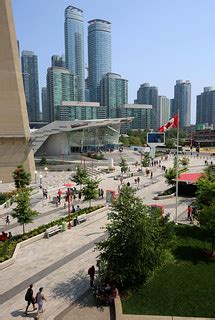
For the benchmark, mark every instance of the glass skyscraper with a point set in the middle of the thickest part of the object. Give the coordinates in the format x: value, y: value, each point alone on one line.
x: 74, y: 47
x: 99, y: 55
x: 30, y: 80
x: 205, y: 107
x: 147, y: 94
x: 182, y: 102
x: 61, y: 86
x: 114, y: 92
x: 45, y: 110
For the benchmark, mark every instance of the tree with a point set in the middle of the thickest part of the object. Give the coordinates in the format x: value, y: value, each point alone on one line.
x: 205, y: 193
x: 43, y: 161
x: 123, y: 165
x: 170, y: 143
x: 146, y: 160
x: 21, y: 177
x: 170, y: 176
x: 137, y: 241
x: 90, y: 189
x: 206, y: 219
x: 81, y: 175
x: 23, y: 212
x: 184, y: 161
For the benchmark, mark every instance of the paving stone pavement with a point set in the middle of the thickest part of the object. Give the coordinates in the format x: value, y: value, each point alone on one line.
x: 60, y: 264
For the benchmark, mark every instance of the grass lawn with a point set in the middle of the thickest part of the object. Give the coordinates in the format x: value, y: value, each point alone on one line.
x: 183, y: 288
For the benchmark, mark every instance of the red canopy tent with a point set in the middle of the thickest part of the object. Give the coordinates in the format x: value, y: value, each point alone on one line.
x: 190, y: 178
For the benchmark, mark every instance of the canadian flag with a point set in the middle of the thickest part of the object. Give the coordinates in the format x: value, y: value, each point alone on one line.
x: 172, y: 123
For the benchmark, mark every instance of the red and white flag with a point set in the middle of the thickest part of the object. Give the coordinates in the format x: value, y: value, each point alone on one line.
x: 172, y: 123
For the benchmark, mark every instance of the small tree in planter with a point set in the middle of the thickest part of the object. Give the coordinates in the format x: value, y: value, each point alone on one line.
x: 90, y: 189
x: 184, y: 161
x: 123, y: 165
x: 43, y: 161
x: 146, y: 160
x: 170, y: 176
x: 81, y: 176
x: 23, y: 212
x: 21, y: 177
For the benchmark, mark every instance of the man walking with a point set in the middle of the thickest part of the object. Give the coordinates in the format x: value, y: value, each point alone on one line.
x: 29, y: 297
x: 91, y: 272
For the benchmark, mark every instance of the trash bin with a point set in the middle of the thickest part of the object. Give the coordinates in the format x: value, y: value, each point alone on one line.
x: 64, y: 226
x: 75, y: 222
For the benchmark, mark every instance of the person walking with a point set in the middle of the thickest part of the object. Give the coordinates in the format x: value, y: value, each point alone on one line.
x: 91, y: 272
x: 102, y: 193
x: 190, y: 214
x: 29, y: 297
x: 7, y: 220
x: 39, y: 300
x: 151, y: 174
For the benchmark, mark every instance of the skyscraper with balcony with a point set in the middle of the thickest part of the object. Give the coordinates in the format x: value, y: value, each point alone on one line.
x: 99, y: 55
x: 45, y: 110
x: 205, y: 107
x: 30, y: 80
x: 182, y: 102
x: 114, y: 92
x: 74, y: 47
x: 147, y: 94
x: 61, y: 86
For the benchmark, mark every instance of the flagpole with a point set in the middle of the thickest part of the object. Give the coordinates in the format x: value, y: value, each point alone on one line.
x: 176, y: 189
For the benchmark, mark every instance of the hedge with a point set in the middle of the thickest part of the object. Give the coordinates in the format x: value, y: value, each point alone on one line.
x: 7, y: 247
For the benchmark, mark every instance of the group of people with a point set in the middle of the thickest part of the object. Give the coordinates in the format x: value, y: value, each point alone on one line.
x: 5, y: 236
x: 31, y: 299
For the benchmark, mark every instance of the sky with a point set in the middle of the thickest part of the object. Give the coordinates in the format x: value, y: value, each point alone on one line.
x: 157, y: 41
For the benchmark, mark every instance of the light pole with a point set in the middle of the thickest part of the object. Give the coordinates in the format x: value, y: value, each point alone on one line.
x: 46, y: 170
x: 35, y: 176
x: 41, y: 179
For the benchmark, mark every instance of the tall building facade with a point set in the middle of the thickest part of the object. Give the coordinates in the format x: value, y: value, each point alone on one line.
x: 99, y: 55
x: 61, y: 86
x: 114, y: 92
x: 164, y: 110
x: 58, y: 61
x: 74, y: 47
x: 44, y: 99
x: 205, y: 107
x: 147, y: 94
x: 141, y: 113
x: 182, y: 102
x: 30, y: 80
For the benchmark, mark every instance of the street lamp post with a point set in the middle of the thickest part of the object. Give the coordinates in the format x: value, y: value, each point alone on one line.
x: 46, y: 171
x: 68, y: 185
x: 35, y: 176
x: 41, y: 179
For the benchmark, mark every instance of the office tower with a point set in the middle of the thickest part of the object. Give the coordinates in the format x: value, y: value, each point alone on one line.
x: 31, y: 86
x: 58, y: 61
x: 74, y: 47
x: 114, y: 92
x: 44, y: 98
x: 147, y: 94
x: 15, y: 140
x: 76, y: 110
x: 99, y: 55
x: 205, y: 107
x: 182, y: 102
x: 164, y: 110
x: 141, y: 113
x: 61, y: 86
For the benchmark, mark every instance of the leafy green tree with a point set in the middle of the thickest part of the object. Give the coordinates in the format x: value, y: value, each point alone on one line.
x: 90, y: 189
x: 206, y: 219
x: 146, y: 160
x: 170, y: 143
x: 205, y: 194
x: 23, y: 212
x: 43, y: 161
x: 124, y: 140
x: 135, y: 141
x: 81, y: 176
x: 170, y: 176
x: 123, y: 165
x: 21, y: 177
x: 184, y: 161
x: 137, y: 241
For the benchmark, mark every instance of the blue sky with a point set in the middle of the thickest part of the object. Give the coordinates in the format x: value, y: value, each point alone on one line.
x: 152, y: 41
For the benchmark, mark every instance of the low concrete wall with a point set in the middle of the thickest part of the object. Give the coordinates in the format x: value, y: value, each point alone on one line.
x: 168, y: 196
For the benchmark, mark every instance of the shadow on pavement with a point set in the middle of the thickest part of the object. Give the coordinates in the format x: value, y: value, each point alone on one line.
x: 21, y: 313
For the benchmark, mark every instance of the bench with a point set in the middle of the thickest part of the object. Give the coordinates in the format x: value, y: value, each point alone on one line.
x: 82, y: 219
x: 53, y: 230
